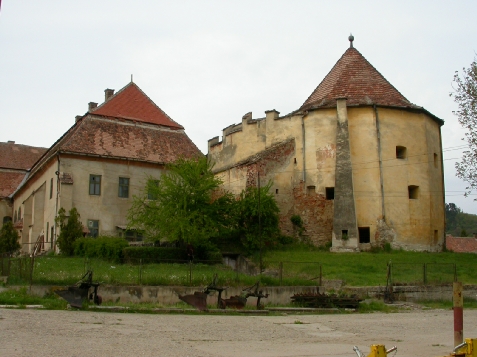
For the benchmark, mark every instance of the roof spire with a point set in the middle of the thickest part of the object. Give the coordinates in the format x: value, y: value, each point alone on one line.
x: 351, y: 39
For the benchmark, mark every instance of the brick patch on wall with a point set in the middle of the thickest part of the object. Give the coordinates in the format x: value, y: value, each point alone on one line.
x: 461, y: 244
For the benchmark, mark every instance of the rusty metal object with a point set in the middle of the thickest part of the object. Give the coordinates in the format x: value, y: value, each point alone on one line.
x: 198, y: 300
x: 255, y: 292
x: 76, y: 295
x: 318, y: 300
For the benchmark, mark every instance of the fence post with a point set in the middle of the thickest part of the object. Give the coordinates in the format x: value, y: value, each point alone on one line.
x: 455, y: 272
x: 190, y: 273
x: 425, y: 273
x: 321, y: 276
x: 280, y: 273
x: 31, y: 269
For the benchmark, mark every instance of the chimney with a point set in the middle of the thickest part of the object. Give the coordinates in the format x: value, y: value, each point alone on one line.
x: 78, y: 117
x: 11, y: 141
x: 92, y: 106
x: 108, y: 93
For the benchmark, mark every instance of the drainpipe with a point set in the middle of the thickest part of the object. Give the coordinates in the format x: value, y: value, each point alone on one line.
x: 57, y: 198
x: 303, y: 148
x: 378, y: 135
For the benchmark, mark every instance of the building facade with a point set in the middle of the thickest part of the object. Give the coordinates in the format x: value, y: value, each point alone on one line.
x: 358, y: 162
x: 98, y: 165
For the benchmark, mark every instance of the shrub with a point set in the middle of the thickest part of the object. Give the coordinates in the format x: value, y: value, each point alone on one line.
x: 70, y: 230
x: 110, y: 248
x: 9, y: 239
x: 153, y: 255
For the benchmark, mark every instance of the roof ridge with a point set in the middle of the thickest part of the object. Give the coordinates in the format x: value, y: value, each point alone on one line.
x: 355, y: 78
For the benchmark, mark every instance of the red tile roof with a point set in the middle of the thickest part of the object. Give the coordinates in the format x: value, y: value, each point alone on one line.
x: 355, y: 79
x: 20, y: 157
x: 119, y: 139
x: 132, y: 103
x: 9, y: 181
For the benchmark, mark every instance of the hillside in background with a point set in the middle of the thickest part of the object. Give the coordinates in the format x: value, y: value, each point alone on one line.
x: 459, y: 223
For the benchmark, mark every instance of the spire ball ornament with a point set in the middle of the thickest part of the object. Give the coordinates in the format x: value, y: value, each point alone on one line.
x: 351, y: 39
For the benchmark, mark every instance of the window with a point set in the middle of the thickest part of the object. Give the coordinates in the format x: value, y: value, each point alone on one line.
x: 15, y: 216
x: 364, y: 234
x: 131, y: 235
x: 344, y: 234
x: 310, y: 189
x: 401, y: 152
x: 6, y: 219
x: 151, y: 189
x: 276, y: 191
x: 95, y: 185
x: 51, y: 188
x: 435, y: 160
x: 330, y: 193
x: 93, y: 227
x: 123, y: 187
x: 47, y: 230
x: 52, y: 236
x: 413, y: 192
x: 19, y: 213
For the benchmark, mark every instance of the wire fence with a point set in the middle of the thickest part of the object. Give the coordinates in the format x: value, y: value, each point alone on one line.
x: 57, y: 270
x: 423, y: 273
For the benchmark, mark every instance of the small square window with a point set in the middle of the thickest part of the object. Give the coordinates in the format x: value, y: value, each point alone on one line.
x: 151, y: 189
x: 95, y: 185
x: 276, y: 191
x: 93, y: 227
x: 364, y: 234
x: 344, y: 234
x: 413, y: 192
x: 330, y: 193
x: 401, y: 152
x: 123, y: 187
x: 310, y: 189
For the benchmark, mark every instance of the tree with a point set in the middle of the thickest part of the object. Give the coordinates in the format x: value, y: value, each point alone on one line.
x: 183, y: 205
x: 9, y: 239
x: 258, y: 222
x: 465, y: 95
x: 71, y: 228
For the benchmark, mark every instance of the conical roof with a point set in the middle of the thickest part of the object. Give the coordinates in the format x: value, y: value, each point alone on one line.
x: 132, y: 103
x: 355, y: 79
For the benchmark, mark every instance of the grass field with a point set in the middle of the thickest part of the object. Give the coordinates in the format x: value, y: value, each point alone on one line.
x: 299, y: 266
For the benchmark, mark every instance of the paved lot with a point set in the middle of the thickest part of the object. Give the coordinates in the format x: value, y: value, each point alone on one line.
x: 76, y: 333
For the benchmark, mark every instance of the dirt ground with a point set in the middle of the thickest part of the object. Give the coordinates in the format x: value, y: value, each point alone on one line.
x: 78, y: 333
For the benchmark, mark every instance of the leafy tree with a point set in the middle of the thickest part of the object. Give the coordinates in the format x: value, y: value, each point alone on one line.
x: 71, y: 229
x: 258, y: 223
x: 9, y: 239
x: 465, y: 95
x: 452, y: 212
x: 183, y: 205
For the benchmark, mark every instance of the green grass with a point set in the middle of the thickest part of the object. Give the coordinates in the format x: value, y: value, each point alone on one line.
x: 22, y: 297
x: 469, y: 303
x: 301, y: 266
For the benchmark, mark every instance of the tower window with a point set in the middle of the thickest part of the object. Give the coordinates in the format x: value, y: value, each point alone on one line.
x: 413, y: 192
x: 330, y: 193
x: 401, y: 152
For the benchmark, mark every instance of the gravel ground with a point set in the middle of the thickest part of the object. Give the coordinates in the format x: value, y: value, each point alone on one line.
x: 78, y: 333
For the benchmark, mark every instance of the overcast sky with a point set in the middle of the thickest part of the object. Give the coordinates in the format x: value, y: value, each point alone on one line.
x: 207, y: 63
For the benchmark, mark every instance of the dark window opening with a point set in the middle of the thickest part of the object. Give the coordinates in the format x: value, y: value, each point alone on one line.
x: 276, y: 191
x: 435, y: 160
x: 330, y: 193
x: 294, y: 160
x: 310, y: 189
x: 15, y: 216
x: 131, y: 235
x: 123, y: 187
x: 93, y: 227
x: 51, y: 188
x: 151, y: 189
x: 6, y: 219
x: 364, y: 234
x: 413, y: 192
x: 47, y: 230
x: 401, y: 152
x: 344, y: 234
x: 95, y: 185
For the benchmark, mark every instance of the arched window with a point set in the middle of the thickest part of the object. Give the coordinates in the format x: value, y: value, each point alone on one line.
x: 15, y: 216
x: 6, y: 219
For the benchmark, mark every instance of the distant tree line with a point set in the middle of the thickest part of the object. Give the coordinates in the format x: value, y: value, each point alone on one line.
x: 459, y: 223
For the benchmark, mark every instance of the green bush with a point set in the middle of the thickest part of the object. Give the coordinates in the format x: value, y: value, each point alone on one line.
x: 110, y: 248
x: 150, y: 255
